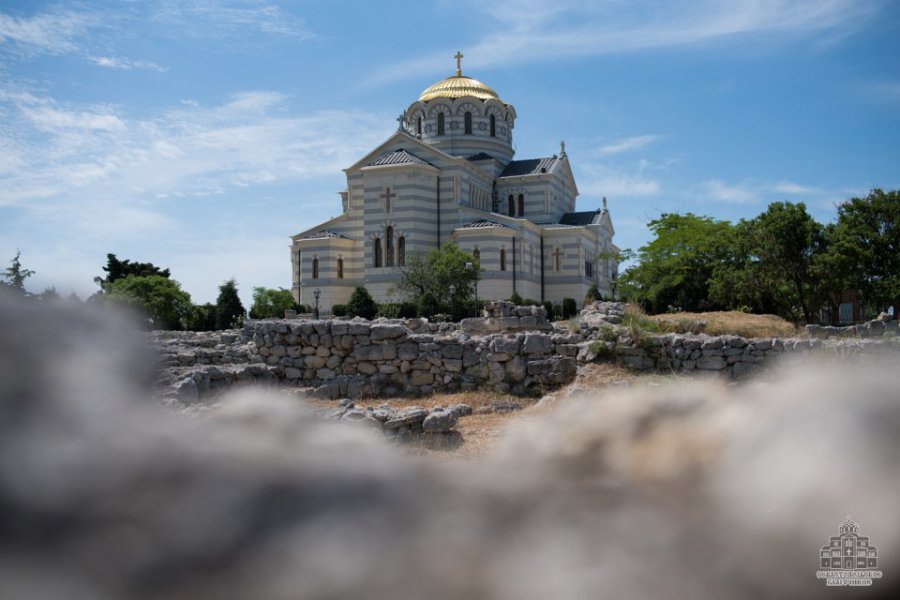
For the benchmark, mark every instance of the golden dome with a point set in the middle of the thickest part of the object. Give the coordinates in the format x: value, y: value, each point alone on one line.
x: 458, y: 86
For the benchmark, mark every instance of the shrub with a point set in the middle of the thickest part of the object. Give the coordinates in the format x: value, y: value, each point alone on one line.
x: 361, y: 304
x: 516, y: 299
x: 530, y: 302
x: 548, y: 306
x: 569, y: 308
x: 592, y: 295
x: 394, y: 310
x: 338, y: 310
x: 427, y: 305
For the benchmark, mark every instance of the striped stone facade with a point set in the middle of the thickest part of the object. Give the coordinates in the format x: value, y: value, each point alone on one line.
x: 448, y: 174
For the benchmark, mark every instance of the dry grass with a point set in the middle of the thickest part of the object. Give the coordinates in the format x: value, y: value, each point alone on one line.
x: 732, y: 323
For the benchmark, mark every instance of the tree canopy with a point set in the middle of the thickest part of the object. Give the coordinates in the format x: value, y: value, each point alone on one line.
x: 161, y: 300
x: 229, y: 310
x: 674, y: 269
x: 15, y: 276
x: 431, y: 276
x: 270, y: 303
x: 119, y: 269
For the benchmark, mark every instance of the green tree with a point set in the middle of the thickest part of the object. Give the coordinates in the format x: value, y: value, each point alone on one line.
x: 162, y: 301
x: 436, y: 273
x: 229, y: 310
x: 203, y: 317
x: 119, y: 269
x: 270, y: 303
x: 674, y: 269
x: 783, y: 241
x: 361, y: 304
x: 15, y: 276
x: 868, y: 236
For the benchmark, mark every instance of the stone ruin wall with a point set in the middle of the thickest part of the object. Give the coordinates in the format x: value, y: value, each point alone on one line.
x: 512, y: 349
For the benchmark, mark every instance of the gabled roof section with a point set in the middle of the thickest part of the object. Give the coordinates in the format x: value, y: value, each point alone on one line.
x: 531, y: 166
x: 398, y: 157
x: 322, y: 234
x: 590, y: 217
x: 482, y: 224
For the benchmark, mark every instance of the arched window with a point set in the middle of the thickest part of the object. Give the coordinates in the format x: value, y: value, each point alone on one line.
x: 377, y: 252
x: 419, y: 126
x: 502, y: 259
x: 401, y: 251
x: 521, y: 205
x: 493, y: 126
x: 512, y: 206
x: 315, y: 274
x: 440, y: 124
x: 340, y: 268
x: 468, y: 123
x: 389, y: 244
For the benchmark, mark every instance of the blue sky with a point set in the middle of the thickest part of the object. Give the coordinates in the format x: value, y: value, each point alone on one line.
x: 200, y: 134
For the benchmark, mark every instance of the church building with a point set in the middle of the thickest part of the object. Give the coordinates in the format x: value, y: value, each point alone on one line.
x: 448, y: 175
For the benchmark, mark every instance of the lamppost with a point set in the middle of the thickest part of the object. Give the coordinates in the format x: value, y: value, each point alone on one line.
x: 316, y: 293
x: 452, y: 290
x: 613, y: 285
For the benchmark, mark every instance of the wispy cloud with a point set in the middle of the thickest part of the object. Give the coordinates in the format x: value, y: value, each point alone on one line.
x: 627, y: 144
x: 125, y: 64
x: 542, y: 30
x: 52, y: 32
x: 55, y: 150
x: 223, y: 17
x: 718, y: 190
x: 601, y: 180
x: 794, y: 189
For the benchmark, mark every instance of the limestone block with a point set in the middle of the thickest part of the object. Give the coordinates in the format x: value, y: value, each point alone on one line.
x: 323, y: 351
x: 453, y: 350
x: 496, y: 372
x: 453, y: 365
x: 339, y: 328
x: 509, y: 323
x: 325, y: 374
x: 711, y: 343
x: 711, y: 363
x: 495, y: 357
x: 515, y: 369
x: 536, y: 343
x: 358, y: 328
x: 333, y: 362
x: 369, y: 352
x: 366, y: 368
x: 419, y: 378
x: 405, y: 417
x: 314, y: 362
x: 307, y: 350
x: 292, y: 373
x: 387, y: 369
x: 408, y: 351
x: 386, y: 331
x: 506, y: 345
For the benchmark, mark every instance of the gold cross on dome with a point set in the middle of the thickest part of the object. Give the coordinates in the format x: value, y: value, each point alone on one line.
x: 458, y: 56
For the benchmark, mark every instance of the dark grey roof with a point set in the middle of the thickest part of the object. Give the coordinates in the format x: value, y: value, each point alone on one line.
x: 480, y: 223
x: 556, y: 225
x: 480, y: 156
x: 321, y: 235
x: 398, y: 157
x: 579, y: 218
x: 531, y: 166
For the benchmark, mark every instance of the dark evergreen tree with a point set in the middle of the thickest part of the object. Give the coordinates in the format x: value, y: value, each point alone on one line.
x: 229, y: 310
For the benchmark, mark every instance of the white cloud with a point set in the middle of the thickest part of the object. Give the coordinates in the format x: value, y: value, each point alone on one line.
x: 600, y: 180
x: 223, y: 17
x: 627, y: 144
x: 125, y: 64
x: 542, y: 30
x: 63, y: 151
x: 731, y: 194
x: 794, y: 189
x: 54, y: 32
